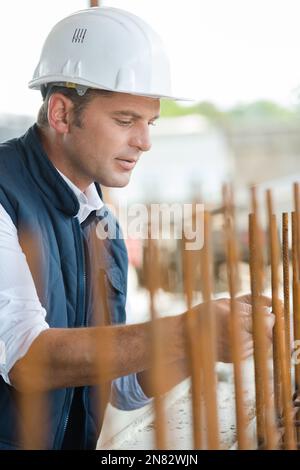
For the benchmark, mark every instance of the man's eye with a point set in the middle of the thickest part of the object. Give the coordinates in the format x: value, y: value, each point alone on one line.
x: 152, y: 123
x: 124, y: 123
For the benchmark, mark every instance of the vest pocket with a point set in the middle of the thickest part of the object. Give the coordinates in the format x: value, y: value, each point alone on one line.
x: 115, y: 293
x: 116, y: 279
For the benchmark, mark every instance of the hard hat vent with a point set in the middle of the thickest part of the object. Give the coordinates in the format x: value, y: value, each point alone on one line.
x: 79, y: 35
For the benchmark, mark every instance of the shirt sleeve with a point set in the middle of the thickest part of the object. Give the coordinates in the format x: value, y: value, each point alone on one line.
x: 22, y: 317
x: 127, y: 394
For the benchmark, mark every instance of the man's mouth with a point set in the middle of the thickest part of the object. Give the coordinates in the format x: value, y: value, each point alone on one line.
x: 127, y: 163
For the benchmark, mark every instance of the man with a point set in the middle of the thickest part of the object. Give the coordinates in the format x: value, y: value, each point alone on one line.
x: 102, y: 73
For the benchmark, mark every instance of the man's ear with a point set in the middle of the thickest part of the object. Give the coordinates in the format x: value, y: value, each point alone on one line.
x: 59, y: 112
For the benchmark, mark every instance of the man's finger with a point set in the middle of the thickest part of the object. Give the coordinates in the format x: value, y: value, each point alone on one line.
x: 247, y: 353
x: 269, y: 323
x: 247, y: 299
x: 244, y: 308
x: 269, y: 319
x: 266, y: 301
x: 248, y: 344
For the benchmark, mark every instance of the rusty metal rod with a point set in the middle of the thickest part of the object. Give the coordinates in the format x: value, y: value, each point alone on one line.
x: 158, y: 369
x: 280, y: 338
x: 297, y: 211
x: 286, y: 283
x: 287, y: 307
x: 233, y: 283
x: 266, y: 431
x: 296, y: 298
x: 208, y: 340
x: 229, y: 211
x: 193, y: 345
x: 260, y: 233
x: 276, y: 366
x: 32, y: 408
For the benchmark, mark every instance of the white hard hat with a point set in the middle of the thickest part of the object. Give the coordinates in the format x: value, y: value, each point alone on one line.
x: 105, y: 48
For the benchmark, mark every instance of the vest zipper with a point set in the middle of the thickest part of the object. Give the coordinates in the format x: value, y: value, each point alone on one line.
x: 85, y: 323
x: 65, y: 414
x: 80, y: 317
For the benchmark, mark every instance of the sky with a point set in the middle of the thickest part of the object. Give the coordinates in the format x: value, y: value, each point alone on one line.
x: 224, y: 51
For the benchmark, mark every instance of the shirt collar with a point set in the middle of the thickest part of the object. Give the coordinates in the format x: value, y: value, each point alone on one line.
x: 88, y: 201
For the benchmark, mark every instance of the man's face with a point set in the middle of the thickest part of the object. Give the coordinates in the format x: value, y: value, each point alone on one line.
x: 114, y: 133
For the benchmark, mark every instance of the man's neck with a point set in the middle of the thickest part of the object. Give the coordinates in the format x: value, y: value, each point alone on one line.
x: 52, y: 145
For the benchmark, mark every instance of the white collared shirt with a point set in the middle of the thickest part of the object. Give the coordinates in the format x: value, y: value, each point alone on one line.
x: 88, y: 201
x: 22, y: 317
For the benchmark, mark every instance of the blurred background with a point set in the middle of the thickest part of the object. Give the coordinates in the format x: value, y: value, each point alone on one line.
x: 239, y: 64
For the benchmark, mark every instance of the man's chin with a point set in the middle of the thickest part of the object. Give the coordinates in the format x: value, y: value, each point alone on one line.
x: 117, y: 183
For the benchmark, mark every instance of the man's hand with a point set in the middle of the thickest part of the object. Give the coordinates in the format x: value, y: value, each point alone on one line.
x: 244, y: 310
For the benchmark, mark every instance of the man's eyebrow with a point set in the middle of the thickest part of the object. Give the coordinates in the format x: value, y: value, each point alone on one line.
x: 130, y: 113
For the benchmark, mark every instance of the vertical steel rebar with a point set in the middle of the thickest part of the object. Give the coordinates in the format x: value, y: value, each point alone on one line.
x: 233, y: 282
x: 286, y: 283
x: 158, y: 368
x: 193, y: 344
x: 280, y: 338
x: 296, y: 297
x: 276, y: 360
x: 208, y: 341
x: 266, y: 430
x: 32, y: 408
x: 297, y: 220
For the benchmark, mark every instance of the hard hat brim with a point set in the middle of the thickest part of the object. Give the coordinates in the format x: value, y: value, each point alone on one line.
x: 37, y: 83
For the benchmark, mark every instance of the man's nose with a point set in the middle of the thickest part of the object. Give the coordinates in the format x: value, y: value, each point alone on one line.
x: 141, y: 140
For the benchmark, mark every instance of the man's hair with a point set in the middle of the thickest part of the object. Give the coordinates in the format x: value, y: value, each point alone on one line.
x: 79, y: 102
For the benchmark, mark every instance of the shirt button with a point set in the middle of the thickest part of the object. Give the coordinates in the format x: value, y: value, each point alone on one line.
x: 102, y: 216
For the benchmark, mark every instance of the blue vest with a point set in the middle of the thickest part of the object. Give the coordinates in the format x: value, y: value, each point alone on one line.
x: 66, y: 260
